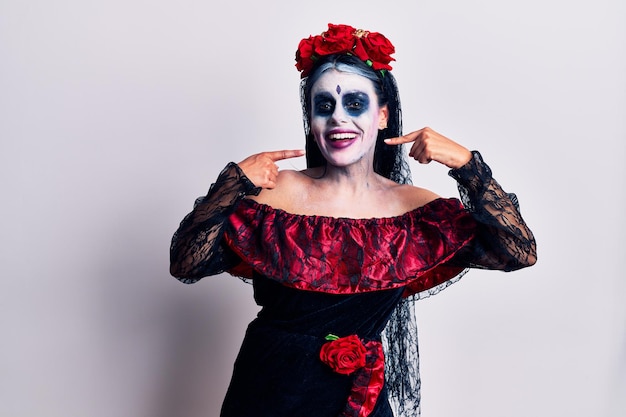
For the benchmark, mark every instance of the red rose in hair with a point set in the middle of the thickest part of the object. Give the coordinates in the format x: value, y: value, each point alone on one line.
x: 359, y: 51
x: 344, y: 355
x: 338, y: 38
x: 304, y: 54
x: 379, y: 49
x: 338, y: 32
x: 371, y: 47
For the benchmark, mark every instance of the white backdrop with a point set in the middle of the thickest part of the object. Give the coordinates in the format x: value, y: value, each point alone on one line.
x: 115, y: 115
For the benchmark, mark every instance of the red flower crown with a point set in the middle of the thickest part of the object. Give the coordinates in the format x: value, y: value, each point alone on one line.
x: 371, y: 47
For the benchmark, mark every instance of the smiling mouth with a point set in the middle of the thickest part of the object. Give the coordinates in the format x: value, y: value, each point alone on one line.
x: 341, y: 136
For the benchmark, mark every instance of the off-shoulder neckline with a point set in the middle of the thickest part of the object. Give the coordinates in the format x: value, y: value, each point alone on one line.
x: 266, y: 208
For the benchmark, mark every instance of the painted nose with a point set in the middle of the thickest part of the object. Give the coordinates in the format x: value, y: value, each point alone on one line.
x: 339, y: 115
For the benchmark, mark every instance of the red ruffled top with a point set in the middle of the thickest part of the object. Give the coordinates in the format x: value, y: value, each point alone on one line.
x: 349, y: 256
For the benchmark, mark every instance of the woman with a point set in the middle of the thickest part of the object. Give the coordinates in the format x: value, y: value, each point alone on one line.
x: 333, y: 250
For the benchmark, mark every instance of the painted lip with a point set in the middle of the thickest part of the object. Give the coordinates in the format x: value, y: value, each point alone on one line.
x: 340, y: 139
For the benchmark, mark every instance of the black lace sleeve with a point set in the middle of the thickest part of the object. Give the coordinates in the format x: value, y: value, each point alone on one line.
x: 196, y: 249
x: 503, y: 239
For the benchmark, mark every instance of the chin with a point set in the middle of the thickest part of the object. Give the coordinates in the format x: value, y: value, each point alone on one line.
x: 344, y: 161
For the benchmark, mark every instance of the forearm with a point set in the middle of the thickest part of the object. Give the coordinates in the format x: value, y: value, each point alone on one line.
x: 196, y: 249
x: 503, y: 240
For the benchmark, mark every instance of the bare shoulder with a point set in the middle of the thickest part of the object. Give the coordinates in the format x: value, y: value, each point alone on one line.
x: 289, y: 184
x: 412, y: 197
x: 291, y: 180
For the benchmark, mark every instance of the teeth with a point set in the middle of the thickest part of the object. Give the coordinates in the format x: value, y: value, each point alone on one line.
x: 341, y: 136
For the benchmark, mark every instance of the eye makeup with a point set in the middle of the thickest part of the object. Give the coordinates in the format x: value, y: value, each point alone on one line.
x: 355, y: 103
x: 323, y: 104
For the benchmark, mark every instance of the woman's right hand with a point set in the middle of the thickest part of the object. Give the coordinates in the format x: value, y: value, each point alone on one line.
x: 261, y: 168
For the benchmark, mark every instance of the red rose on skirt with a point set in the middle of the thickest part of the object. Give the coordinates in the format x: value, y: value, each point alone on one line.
x: 344, y: 355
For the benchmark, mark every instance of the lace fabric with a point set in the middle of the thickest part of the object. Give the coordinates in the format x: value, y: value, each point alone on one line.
x: 502, y: 241
x: 196, y: 250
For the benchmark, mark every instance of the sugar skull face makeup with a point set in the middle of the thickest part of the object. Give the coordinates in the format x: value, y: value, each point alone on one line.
x: 345, y: 116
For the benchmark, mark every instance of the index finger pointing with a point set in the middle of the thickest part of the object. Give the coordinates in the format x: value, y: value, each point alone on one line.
x: 400, y: 139
x: 286, y: 154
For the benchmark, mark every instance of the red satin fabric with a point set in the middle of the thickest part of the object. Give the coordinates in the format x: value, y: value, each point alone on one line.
x: 367, y: 384
x: 348, y: 256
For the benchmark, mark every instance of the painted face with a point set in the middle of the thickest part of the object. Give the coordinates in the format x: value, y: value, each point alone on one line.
x: 345, y: 117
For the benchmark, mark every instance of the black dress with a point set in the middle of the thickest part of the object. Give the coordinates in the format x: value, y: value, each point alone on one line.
x: 316, y: 276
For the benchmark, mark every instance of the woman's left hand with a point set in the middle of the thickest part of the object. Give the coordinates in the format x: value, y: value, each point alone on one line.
x: 429, y: 145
